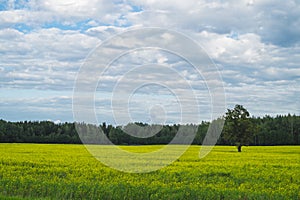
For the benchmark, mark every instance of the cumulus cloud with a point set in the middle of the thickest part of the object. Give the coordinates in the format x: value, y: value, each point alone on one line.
x: 255, y: 45
x: 37, y: 13
x: 43, y: 58
x: 33, y: 104
x: 275, y: 22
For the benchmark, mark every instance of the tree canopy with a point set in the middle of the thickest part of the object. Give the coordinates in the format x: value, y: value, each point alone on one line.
x: 239, y: 128
x: 278, y: 130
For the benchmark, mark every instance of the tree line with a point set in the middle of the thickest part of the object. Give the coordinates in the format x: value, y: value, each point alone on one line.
x: 267, y: 130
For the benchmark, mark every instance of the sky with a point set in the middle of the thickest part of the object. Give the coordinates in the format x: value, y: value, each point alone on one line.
x: 44, y: 45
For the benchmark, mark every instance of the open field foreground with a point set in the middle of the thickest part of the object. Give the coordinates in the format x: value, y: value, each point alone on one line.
x: 35, y: 171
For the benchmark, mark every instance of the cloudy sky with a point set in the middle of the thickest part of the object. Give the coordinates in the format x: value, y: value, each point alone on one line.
x: 254, y: 44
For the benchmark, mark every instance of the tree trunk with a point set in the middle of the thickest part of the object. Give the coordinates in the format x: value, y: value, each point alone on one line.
x: 239, y: 148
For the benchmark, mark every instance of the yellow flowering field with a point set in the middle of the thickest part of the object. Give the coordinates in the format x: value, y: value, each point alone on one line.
x: 44, y: 171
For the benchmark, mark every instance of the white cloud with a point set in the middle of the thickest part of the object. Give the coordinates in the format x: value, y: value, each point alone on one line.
x: 254, y: 43
x: 10, y: 34
x: 44, y: 58
x: 12, y: 16
x: 246, y: 49
x: 275, y: 22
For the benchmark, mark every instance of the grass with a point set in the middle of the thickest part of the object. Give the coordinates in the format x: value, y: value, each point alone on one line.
x: 39, y: 171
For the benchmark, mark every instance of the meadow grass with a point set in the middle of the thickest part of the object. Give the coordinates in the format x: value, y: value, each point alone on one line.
x: 42, y: 171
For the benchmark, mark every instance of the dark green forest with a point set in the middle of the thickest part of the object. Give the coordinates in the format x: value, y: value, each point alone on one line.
x: 279, y: 130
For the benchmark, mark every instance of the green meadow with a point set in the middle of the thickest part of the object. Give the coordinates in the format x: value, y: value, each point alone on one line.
x: 44, y: 171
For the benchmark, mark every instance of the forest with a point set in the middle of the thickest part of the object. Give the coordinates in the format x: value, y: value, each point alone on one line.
x: 278, y: 130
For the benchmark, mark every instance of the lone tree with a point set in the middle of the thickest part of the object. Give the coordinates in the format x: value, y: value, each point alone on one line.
x: 238, y: 128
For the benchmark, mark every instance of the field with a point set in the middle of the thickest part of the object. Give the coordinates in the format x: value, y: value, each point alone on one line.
x: 36, y: 171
